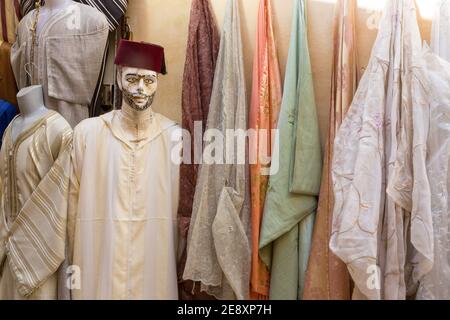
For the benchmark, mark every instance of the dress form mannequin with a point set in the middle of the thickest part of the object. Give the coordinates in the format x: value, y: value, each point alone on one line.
x: 31, y: 106
x: 50, y: 8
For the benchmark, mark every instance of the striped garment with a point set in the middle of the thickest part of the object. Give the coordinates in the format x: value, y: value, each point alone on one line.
x: 114, y: 10
x: 9, y: 18
x: 33, y: 224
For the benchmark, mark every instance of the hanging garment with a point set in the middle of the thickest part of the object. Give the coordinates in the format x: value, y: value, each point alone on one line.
x: 436, y: 284
x: 114, y: 10
x: 264, y: 111
x: 8, y: 87
x: 7, y: 113
x: 218, y: 254
x: 440, y: 33
x: 382, y: 230
x: 122, y: 225
x: 67, y: 62
x: 9, y: 19
x: 201, y: 57
x: 291, y: 199
x: 33, y: 213
x: 327, y: 277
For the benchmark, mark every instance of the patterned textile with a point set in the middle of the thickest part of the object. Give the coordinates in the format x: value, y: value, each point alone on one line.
x: 201, y: 56
x: 218, y: 253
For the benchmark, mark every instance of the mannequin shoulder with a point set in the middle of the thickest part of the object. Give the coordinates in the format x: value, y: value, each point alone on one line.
x: 88, y: 127
x: 170, y: 128
x: 91, y: 18
x: 56, y: 123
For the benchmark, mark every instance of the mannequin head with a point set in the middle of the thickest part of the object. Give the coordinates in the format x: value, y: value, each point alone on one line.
x: 138, y: 87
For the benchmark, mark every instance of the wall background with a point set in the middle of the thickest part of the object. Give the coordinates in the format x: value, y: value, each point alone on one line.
x: 165, y: 22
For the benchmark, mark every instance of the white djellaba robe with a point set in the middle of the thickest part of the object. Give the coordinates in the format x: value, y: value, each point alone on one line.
x: 122, y: 226
x: 68, y: 58
x: 34, y: 181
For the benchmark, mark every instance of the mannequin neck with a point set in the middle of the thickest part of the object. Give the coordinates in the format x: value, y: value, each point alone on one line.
x: 140, y: 118
x: 135, y: 124
x: 56, y: 4
x: 31, y: 101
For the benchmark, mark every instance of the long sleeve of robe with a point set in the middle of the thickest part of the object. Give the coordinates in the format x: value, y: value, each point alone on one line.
x: 68, y: 59
x: 382, y: 229
x: 291, y: 199
x: 263, y: 118
x: 201, y: 56
x: 327, y: 277
x: 218, y: 254
x: 34, y: 191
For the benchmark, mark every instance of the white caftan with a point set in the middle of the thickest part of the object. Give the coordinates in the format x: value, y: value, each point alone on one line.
x: 123, y: 209
x: 34, y: 178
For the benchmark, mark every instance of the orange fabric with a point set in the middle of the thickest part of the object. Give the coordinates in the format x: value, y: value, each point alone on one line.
x: 8, y: 88
x: 264, y: 111
x: 327, y: 277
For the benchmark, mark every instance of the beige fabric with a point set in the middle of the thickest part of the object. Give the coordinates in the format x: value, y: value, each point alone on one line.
x: 436, y: 119
x: 123, y: 209
x: 33, y: 210
x: 68, y: 59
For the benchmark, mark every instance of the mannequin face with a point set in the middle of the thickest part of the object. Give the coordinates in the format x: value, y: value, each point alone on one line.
x: 138, y: 87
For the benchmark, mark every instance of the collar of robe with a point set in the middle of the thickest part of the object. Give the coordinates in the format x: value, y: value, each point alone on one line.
x: 134, y: 134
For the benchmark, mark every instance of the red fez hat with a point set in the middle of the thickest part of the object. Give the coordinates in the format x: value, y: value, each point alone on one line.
x: 141, y: 55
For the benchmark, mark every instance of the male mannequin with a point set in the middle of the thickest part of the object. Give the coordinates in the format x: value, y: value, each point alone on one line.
x: 123, y: 227
x: 34, y: 166
x: 64, y: 55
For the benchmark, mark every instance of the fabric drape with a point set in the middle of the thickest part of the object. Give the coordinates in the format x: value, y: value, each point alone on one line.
x: 8, y: 87
x: 218, y: 253
x: 436, y: 284
x: 201, y: 57
x: 382, y: 226
x: 9, y: 19
x: 34, y: 190
x: 263, y: 119
x: 327, y: 277
x: 294, y: 185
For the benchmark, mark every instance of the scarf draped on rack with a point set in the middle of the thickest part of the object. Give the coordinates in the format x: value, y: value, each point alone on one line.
x: 294, y: 185
x: 327, y: 277
x: 218, y: 254
x: 201, y: 57
x: 264, y: 111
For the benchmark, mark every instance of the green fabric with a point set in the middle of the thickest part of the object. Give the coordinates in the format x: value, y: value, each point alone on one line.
x: 291, y: 201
